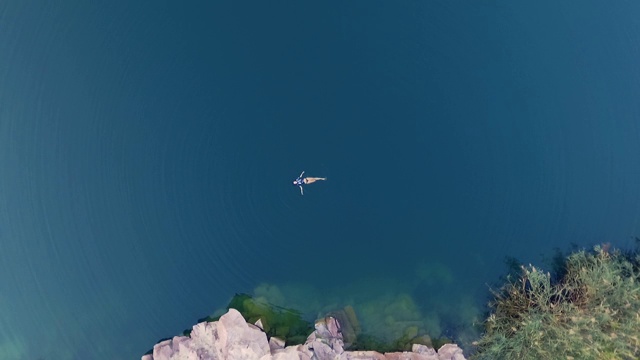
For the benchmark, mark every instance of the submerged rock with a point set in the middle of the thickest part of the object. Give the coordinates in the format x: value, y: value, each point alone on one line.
x: 232, y: 337
x: 349, y: 325
x: 275, y: 321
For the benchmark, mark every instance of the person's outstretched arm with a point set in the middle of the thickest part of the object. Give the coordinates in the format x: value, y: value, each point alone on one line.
x: 301, y: 191
x: 302, y: 173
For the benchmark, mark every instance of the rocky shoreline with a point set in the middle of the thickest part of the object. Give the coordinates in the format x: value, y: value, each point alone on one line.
x: 231, y: 337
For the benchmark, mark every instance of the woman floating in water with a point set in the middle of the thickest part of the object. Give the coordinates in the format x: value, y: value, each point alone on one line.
x: 303, y: 181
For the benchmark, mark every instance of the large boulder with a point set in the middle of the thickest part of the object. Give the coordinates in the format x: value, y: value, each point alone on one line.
x: 229, y: 338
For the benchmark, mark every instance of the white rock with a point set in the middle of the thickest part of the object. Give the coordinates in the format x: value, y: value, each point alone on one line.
x: 162, y: 350
x: 361, y: 355
x: 303, y: 351
x: 244, y: 341
x: 232, y: 338
x: 423, y: 349
x: 450, y: 352
x: 407, y: 355
x: 208, y: 338
x: 276, y: 344
x: 290, y: 353
x: 322, y: 351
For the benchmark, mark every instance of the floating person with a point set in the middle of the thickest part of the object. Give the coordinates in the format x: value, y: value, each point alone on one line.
x: 304, y: 181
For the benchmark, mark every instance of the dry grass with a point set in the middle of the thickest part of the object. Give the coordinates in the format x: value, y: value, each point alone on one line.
x: 592, y: 312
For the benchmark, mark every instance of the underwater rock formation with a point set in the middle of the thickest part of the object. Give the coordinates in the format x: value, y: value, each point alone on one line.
x: 232, y: 337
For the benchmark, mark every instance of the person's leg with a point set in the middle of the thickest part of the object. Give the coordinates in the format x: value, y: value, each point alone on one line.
x: 309, y: 180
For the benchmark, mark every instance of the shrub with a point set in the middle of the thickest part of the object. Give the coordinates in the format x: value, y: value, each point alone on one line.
x: 591, y: 312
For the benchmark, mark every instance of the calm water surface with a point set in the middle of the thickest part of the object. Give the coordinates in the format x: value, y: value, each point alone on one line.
x: 147, y: 153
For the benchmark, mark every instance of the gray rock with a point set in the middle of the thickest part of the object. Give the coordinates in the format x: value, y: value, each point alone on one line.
x: 327, y: 335
x: 233, y: 338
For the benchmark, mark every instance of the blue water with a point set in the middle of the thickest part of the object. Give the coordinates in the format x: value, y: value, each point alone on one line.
x: 147, y: 153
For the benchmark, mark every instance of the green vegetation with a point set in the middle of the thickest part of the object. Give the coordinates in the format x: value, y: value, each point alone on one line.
x: 592, y: 311
x: 286, y: 324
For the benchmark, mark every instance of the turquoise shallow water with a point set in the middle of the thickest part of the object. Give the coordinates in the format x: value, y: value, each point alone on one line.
x: 147, y: 154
